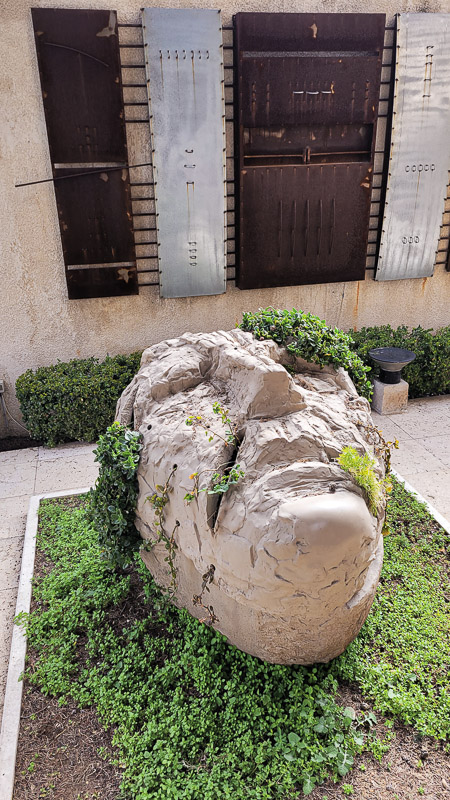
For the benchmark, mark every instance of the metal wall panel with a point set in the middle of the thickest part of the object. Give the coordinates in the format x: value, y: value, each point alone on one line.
x: 187, y: 117
x: 420, y: 148
x: 308, y: 88
x: 79, y: 65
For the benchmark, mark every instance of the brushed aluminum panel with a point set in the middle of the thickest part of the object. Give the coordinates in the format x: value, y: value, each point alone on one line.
x: 420, y: 148
x: 187, y: 118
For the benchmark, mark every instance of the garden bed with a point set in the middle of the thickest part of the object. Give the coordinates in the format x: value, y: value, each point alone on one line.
x: 184, y: 715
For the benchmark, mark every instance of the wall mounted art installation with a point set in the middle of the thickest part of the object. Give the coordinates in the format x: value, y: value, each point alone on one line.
x: 294, y: 551
x: 420, y: 148
x: 183, y: 52
x: 79, y: 66
x: 307, y: 103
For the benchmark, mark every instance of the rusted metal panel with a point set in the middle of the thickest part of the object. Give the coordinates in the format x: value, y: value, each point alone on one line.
x: 303, y: 226
x: 420, y: 148
x: 185, y: 71
x: 308, y: 87
x: 79, y: 65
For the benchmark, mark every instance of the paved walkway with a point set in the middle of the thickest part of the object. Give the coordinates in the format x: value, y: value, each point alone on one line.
x: 423, y: 459
x: 24, y: 473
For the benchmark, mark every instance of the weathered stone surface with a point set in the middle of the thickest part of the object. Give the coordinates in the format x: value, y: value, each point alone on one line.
x: 297, y: 554
x: 390, y: 398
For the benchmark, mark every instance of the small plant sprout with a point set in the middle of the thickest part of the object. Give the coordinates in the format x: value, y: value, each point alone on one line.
x: 230, y: 434
x: 197, y: 599
x: 382, y: 447
x: 232, y: 474
x: 159, y: 500
x: 361, y: 468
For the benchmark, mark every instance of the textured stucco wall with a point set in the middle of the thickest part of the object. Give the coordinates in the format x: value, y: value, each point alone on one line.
x: 38, y: 324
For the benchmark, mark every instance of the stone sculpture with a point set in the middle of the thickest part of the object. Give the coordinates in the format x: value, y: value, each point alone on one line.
x: 292, y: 549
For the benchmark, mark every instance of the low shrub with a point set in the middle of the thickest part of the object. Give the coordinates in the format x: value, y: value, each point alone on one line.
x: 311, y: 338
x: 74, y: 401
x: 429, y: 373
x: 113, y: 499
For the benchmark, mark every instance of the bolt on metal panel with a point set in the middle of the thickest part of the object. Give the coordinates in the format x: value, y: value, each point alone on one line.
x: 184, y: 63
x: 420, y: 148
x: 308, y: 89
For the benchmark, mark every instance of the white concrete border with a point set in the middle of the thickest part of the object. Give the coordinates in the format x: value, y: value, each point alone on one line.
x: 9, y: 734
x: 443, y: 522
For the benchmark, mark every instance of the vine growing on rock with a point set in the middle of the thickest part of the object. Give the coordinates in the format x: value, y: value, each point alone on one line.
x: 232, y: 474
x: 113, y: 499
x: 310, y: 338
x: 159, y: 499
x: 197, y: 599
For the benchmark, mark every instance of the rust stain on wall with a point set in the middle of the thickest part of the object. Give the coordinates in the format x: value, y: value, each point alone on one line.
x: 355, y: 307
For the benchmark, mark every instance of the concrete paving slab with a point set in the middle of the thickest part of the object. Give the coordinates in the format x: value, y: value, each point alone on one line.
x: 10, y: 558
x: 427, y: 416
x: 55, y: 475
x: 13, y: 515
x: 439, y: 446
x: 434, y: 486
x: 388, y: 426
x: 68, y: 451
x: 17, y: 479
x: 421, y: 424
x: 23, y: 456
x: 412, y: 457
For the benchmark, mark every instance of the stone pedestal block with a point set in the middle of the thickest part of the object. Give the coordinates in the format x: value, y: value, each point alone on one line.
x: 390, y: 398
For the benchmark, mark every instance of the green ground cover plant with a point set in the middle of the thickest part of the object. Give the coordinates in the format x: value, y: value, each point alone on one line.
x: 429, y: 374
x: 309, y: 337
x: 74, y: 401
x: 194, y: 717
x: 401, y: 657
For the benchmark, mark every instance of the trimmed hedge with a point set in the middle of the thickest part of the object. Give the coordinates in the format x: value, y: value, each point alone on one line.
x: 429, y: 373
x: 74, y: 401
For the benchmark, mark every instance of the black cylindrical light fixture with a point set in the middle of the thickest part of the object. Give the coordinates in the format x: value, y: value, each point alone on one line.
x: 391, y: 361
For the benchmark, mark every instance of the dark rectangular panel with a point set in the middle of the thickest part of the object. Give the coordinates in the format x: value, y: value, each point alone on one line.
x: 79, y: 65
x: 308, y: 88
x: 92, y: 216
x: 303, y: 227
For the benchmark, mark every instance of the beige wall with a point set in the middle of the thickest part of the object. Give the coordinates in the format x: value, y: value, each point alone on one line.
x: 39, y: 325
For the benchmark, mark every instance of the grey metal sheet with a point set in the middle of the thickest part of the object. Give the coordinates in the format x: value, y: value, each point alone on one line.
x: 187, y: 117
x: 420, y: 148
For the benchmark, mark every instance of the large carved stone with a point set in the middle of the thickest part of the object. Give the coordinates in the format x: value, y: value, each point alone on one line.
x: 296, y: 551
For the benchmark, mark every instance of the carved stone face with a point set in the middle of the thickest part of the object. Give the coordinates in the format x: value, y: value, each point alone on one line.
x: 297, y: 553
